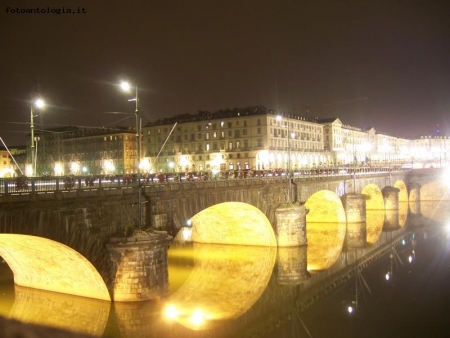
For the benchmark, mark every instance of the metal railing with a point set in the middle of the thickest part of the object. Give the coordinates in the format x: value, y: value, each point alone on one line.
x: 23, y: 184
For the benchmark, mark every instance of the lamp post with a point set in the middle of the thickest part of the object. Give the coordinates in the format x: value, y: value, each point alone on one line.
x: 39, y: 103
x: 126, y: 87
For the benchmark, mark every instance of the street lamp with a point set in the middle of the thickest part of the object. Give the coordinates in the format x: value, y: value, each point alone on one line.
x: 39, y: 103
x: 127, y: 87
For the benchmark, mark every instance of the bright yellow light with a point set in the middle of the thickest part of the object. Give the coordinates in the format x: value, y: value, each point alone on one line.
x: 58, y: 168
x: 29, y: 170
x: 171, y: 312
x: 125, y: 86
x: 198, y: 317
x: 39, y: 103
x: 187, y: 233
x: 74, y: 167
x: 108, y: 165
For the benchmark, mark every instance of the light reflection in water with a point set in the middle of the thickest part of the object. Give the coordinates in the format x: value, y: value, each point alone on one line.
x: 402, y: 213
x: 224, y: 282
x: 325, y: 241
x: 374, y: 223
x: 438, y: 211
x: 211, y: 285
x: 58, y: 310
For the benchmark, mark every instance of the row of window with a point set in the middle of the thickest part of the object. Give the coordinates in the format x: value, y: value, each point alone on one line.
x: 209, y: 125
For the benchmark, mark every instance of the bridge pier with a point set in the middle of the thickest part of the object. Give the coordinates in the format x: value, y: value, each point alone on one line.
x: 391, y: 205
x: 355, y: 207
x: 139, y: 266
x: 291, y: 226
x: 390, y: 196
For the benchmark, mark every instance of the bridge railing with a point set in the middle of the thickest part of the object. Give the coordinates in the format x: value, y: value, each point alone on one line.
x: 23, y: 184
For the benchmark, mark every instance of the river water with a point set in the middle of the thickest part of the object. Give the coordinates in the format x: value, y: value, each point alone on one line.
x: 399, y: 286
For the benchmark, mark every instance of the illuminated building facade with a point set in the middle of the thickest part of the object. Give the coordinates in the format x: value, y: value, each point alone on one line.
x: 233, y: 139
x: 238, y: 139
x: 75, y: 150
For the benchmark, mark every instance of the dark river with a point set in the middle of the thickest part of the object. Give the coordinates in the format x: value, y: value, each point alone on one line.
x: 398, y: 286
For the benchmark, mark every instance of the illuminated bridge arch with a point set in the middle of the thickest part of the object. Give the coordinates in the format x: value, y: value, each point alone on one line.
x: 44, y: 264
x: 403, y: 193
x: 374, y: 212
x: 233, y: 223
x: 325, y: 228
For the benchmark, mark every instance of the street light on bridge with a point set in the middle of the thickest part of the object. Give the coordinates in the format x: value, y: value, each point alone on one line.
x: 127, y: 87
x: 39, y: 104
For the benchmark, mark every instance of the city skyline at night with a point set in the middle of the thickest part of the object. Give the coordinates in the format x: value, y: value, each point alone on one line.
x: 380, y: 64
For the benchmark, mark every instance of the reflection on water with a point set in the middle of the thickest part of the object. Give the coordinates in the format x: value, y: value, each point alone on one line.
x: 78, y: 314
x: 435, y: 211
x: 225, y: 281
x: 325, y: 241
x: 374, y: 223
x: 402, y: 213
x: 391, y: 220
x: 234, y: 291
x: 292, y: 265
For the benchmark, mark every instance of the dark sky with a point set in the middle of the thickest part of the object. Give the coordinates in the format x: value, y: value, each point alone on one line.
x: 383, y: 63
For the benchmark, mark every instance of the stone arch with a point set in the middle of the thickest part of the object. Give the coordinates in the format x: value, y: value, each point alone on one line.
x: 44, y: 264
x: 326, y: 207
x: 233, y: 223
x: 374, y: 197
x: 374, y: 212
x: 436, y: 190
x: 403, y: 193
x: 325, y: 228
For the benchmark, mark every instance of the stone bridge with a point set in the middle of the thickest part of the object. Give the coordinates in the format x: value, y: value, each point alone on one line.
x: 79, y: 241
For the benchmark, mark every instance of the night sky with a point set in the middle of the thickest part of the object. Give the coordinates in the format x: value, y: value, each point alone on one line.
x: 382, y: 64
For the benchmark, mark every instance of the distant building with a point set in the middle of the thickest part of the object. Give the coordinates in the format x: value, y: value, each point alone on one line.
x: 76, y: 150
x: 11, y: 166
x: 232, y: 139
